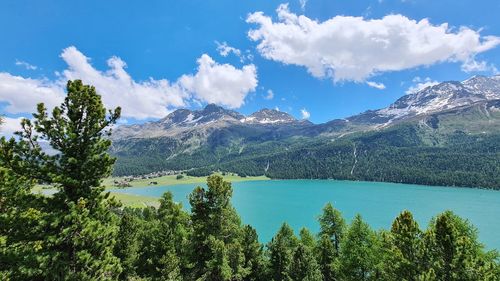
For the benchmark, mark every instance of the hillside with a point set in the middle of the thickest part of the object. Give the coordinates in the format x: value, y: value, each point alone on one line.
x: 447, y: 134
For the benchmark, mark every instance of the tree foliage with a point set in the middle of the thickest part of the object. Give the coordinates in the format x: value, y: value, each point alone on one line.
x: 73, y: 231
x: 403, y: 153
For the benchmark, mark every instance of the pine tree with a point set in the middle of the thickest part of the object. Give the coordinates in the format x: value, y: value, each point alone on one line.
x: 332, y: 228
x: 254, y: 265
x: 359, y: 252
x: 332, y: 224
x: 20, y: 211
x: 406, y: 251
x: 326, y: 258
x: 76, y: 130
x: 21, y: 233
x: 456, y: 253
x: 173, y: 229
x: 169, y: 267
x: 307, y: 238
x: 151, y: 249
x: 127, y: 246
x: 164, y: 241
x: 304, y: 266
x: 79, y: 229
x: 215, y: 223
x: 281, y: 249
x: 217, y: 266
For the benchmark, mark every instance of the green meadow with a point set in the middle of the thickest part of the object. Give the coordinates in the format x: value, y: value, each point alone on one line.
x: 131, y: 200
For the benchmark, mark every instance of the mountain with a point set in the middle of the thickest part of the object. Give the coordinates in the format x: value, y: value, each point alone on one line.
x: 272, y: 116
x: 180, y: 121
x: 443, y: 96
x: 212, y: 117
x: 446, y: 134
x: 188, y: 139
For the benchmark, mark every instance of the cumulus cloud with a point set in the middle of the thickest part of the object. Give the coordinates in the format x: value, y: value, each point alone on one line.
x: 354, y: 48
x: 22, y: 94
x: 150, y: 98
x: 269, y: 95
x: 9, y: 126
x: 154, y: 98
x: 421, y: 84
x: 305, y: 114
x: 220, y: 83
x: 26, y: 65
x: 375, y: 85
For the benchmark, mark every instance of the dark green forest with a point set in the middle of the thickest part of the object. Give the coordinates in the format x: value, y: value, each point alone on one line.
x: 397, y: 154
x: 81, y: 233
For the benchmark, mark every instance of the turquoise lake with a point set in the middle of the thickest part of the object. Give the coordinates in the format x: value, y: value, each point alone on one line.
x: 267, y: 204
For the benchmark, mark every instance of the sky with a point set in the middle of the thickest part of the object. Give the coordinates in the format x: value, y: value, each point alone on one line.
x: 315, y: 59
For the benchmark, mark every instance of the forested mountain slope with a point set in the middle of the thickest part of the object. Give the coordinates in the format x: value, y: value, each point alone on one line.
x: 447, y: 134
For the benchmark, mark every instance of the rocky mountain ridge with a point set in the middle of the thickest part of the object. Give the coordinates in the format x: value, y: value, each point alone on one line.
x: 211, y: 117
x: 439, y: 97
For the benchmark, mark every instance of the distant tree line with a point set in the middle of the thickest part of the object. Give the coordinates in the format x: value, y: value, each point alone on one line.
x: 476, y: 164
x: 80, y: 233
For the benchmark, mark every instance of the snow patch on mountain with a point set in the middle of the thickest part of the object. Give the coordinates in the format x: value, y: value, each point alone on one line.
x: 269, y: 116
x: 189, y: 118
x: 443, y: 96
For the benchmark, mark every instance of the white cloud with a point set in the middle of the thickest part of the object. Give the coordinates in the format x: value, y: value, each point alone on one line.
x: 22, y: 94
x: 224, y: 49
x: 9, y: 126
x: 269, y: 95
x: 375, y: 85
x: 482, y: 66
x: 220, y: 83
x: 150, y: 98
x: 26, y: 65
x: 352, y: 48
x: 305, y: 114
x: 421, y: 84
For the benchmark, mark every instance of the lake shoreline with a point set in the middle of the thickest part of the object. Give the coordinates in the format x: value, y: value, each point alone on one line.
x: 267, y: 204
x: 139, y: 201
x: 262, y: 178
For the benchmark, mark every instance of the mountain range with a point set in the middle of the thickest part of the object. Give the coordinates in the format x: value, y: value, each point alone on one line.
x: 446, y: 134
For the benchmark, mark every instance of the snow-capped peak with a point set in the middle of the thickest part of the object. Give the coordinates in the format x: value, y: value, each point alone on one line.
x: 269, y: 116
x: 442, y: 96
x: 187, y: 118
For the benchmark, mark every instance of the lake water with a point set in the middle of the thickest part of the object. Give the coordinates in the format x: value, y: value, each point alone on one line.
x: 267, y: 204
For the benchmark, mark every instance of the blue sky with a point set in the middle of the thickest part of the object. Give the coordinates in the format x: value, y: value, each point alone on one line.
x: 318, y: 56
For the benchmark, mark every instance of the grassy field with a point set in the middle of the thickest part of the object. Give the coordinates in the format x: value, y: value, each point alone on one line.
x: 142, y: 201
x: 131, y: 200
x: 171, y: 180
x: 135, y: 201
